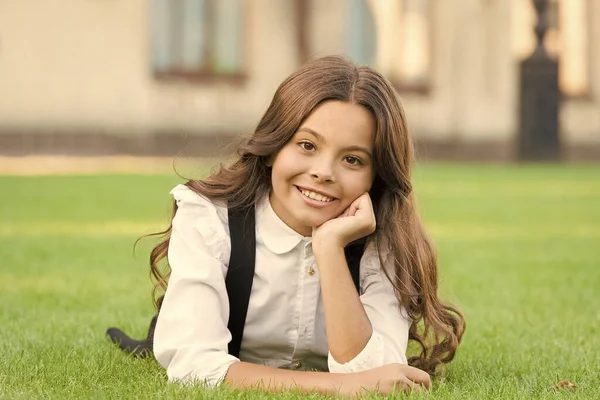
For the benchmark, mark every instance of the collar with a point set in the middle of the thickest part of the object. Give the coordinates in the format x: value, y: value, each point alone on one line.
x: 277, y: 236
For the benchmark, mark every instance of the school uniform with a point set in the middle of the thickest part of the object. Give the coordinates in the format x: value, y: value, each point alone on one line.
x: 285, y: 324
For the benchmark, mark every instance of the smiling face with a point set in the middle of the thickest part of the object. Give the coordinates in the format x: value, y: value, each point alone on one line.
x: 326, y: 165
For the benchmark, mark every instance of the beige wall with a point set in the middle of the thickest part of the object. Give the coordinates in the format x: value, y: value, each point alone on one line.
x: 580, y: 118
x: 469, y: 98
x: 73, y: 64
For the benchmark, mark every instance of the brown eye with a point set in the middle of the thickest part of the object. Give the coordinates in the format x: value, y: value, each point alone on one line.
x: 308, y: 146
x: 352, y: 160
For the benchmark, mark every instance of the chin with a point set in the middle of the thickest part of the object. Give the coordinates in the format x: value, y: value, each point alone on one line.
x: 314, y: 221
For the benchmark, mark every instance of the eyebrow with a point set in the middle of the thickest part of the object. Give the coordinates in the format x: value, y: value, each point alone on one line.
x: 348, y: 148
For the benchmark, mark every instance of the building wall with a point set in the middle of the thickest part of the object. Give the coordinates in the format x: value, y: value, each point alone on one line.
x: 70, y: 63
x: 580, y: 117
x: 84, y: 66
x: 469, y: 98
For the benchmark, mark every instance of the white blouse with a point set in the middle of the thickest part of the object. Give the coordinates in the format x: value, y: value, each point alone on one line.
x: 285, y: 324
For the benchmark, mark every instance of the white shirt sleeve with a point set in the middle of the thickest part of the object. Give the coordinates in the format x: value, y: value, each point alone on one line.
x: 191, y: 336
x: 390, y: 324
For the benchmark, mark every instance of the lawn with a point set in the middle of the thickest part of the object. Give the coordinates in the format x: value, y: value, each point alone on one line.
x: 519, y: 251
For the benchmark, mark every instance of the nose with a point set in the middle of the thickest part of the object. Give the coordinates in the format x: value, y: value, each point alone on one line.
x: 322, y: 171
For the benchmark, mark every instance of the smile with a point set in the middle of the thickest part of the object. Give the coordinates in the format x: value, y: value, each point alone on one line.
x: 315, y: 196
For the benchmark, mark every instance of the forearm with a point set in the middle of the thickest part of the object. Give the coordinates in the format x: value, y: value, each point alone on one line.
x: 247, y: 375
x: 347, y: 324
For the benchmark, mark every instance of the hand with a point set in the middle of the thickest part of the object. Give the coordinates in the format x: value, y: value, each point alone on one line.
x: 356, y: 222
x: 387, y: 379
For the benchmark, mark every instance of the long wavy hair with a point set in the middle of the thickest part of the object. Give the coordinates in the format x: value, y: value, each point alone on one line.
x: 436, y: 327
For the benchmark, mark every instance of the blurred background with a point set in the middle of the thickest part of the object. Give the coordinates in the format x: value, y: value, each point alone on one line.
x: 502, y: 97
x: 161, y: 77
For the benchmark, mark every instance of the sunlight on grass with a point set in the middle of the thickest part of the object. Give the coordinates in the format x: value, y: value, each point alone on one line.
x: 438, y: 231
x: 518, y: 251
x: 98, y: 228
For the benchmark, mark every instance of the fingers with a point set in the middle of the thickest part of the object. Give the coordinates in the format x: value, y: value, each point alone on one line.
x: 406, y: 385
x: 363, y: 202
x: 352, y: 211
x: 360, y: 203
x: 395, y: 377
x: 345, y: 213
x: 418, y: 376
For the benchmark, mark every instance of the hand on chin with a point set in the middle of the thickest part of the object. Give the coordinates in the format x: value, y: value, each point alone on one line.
x: 356, y: 222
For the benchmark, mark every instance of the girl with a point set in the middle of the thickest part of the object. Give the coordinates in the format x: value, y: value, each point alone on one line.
x: 328, y: 164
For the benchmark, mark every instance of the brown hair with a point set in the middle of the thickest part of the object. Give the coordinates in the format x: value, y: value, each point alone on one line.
x: 437, y: 328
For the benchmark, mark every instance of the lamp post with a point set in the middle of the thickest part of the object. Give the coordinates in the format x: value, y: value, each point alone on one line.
x: 538, y: 138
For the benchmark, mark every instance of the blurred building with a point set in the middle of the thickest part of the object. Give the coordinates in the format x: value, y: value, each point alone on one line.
x: 149, y: 76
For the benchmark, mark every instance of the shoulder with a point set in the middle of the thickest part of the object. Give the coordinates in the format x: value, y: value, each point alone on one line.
x: 197, y: 215
x: 189, y: 201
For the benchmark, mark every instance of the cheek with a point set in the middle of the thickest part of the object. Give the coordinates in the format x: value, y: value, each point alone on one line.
x: 358, y: 183
x: 286, y: 165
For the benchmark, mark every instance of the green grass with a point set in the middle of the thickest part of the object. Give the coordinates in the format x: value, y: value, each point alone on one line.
x: 519, y: 251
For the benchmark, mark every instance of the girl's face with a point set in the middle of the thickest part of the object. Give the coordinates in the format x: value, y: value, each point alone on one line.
x: 326, y: 165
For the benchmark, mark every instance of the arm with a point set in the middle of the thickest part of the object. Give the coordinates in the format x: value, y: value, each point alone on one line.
x: 362, y: 332
x: 347, y: 324
x: 347, y: 315
x: 247, y: 375
x: 191, y: 336
x: 383, y: 380
x: 366, y: 332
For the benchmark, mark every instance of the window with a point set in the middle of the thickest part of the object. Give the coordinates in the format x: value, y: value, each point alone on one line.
x: 567, y: 39
x: 394, y: 36
x: 198, y: 38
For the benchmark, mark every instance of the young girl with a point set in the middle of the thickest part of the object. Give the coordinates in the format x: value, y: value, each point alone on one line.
x: 328, y: 164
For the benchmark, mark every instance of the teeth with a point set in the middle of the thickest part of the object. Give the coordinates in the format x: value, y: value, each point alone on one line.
x: 316, y: 196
